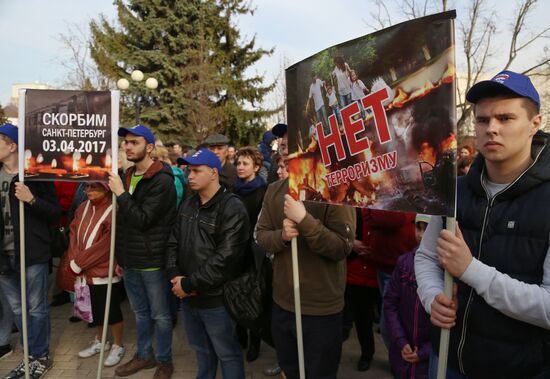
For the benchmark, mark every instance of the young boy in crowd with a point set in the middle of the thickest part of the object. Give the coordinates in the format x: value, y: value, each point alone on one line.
x: 407, y: 322
x: 358, y: 91
x: 333, y: 103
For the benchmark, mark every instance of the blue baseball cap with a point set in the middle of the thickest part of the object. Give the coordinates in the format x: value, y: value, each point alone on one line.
x: 138, y: 130
x: 504, y: 81
x: 10, y: 130
x: 202, y: 157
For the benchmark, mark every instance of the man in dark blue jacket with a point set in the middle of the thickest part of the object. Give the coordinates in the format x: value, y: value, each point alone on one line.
x: 205, y: 250
x: 41, y: 209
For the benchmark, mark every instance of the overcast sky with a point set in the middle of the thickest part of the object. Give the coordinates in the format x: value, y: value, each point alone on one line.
x: 296, y: 28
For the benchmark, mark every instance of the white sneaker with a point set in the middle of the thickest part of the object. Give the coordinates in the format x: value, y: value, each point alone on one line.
x: 93, y: 349
x: 115, y: 356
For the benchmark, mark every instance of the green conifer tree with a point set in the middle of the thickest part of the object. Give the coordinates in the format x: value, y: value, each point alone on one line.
x: 194, y: 50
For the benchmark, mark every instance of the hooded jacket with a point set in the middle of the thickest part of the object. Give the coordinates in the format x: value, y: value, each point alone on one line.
x: 39, y: 217
x: 264, y: 147
x: 144, y: 218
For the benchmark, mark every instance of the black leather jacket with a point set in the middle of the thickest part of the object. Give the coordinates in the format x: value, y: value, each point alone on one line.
x: 207, y: 246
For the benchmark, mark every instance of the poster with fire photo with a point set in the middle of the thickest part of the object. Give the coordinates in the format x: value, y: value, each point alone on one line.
x: 372, y: 121
x: 68, y: 135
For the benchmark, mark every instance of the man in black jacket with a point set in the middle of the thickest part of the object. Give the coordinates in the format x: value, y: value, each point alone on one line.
x: 499, y: 315
x: 146, y: 198
x: 219, y: 144
x: 41, y: 209
x: 205, y: 250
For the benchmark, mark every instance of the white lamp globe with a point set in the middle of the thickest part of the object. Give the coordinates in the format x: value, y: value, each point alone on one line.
x: 123, y: 84
x: 151, y: 83
x: 137, y: 76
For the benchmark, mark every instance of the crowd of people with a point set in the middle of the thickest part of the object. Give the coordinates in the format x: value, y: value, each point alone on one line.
x: 189, y: 222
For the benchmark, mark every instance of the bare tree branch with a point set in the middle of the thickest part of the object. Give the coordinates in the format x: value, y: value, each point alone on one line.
x: 382, y: 16
x: 531, y: 69
x: 477, y: 28
x: 542, y: 34
x: 476, y: 31
x: 516, y: 30
x: 279, y: 103
x: 82, y: 73
x: 524, y: 10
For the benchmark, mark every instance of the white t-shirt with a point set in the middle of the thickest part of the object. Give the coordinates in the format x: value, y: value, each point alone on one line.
x: 344, y: 84
x: 313, y: 132
x: 357, y: 89
x: 315, y: 92
x: 332, y: 101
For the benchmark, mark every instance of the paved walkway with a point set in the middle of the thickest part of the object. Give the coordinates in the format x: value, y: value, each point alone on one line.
x: 69, y: 338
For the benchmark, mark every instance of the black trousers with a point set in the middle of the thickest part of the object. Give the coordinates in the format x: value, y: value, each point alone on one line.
x: 98, y: 298
x: 322, y: 336
x: 359, y: 309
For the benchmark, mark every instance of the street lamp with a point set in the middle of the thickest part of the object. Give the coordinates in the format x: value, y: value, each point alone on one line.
x: 137, y: 76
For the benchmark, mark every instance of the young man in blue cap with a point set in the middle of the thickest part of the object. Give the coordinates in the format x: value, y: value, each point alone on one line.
x: 41, y: 209
x: 146, y: 198
x: 206, y: 249
x: 499, y: 315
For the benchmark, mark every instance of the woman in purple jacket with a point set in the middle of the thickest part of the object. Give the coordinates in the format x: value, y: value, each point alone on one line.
x: 407, y: 322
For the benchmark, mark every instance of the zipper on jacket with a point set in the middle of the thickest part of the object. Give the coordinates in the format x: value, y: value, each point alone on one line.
x: 470, y: 296
x: 490, y: 202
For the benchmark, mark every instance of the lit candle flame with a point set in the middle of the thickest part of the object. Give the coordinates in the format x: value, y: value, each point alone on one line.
x: 54, y: 163
x: 39, y: 158
x: 28, y: 156
x: 76, y: 158
x: 89, y: 159
x: 108, y: 159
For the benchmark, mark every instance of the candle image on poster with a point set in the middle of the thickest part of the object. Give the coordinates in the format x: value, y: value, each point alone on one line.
x: 67, y: 135
x: 372, y: 121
